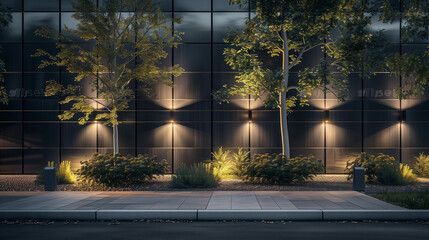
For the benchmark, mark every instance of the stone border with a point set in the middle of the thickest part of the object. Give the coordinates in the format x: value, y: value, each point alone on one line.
x: 217, y: 215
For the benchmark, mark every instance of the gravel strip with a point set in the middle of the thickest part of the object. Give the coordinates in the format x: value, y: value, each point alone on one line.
x: 322, y: 182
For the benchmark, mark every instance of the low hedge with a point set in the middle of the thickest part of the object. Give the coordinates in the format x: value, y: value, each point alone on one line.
x: 118, y: 170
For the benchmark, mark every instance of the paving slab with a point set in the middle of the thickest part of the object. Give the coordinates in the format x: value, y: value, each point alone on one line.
x: 202, y: 205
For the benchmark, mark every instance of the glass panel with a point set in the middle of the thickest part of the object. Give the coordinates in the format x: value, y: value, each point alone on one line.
x: 219, y: 64
x: 231, y: 135
x: 12, y: 82
x: 41, y: 134
x: 192, y: 134
x: 192, y: 5
x: 10, y: 161
x: 193, y: 57
x: 31, y: 64
x: 196, y: 27
x: 41, y: 5
x: 34, y: 21
x: 154, y: 135
x: 222, y: 22
x: 11, y: 54
x: 36, y: 159
x: 381, y: 135
x: 190, y: 156
x: 34, y: 84
x: 15, y: 5
x: 78, y: 136
x: 10, y: 135
x: 263, y: 134
x: 13, y: 32
x: 223, y: 5
x: 165, y: 5
x: 66, y: 5
x: 192, y: 86
x: 391, y: 30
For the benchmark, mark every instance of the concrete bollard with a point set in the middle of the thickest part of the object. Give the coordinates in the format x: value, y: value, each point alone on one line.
x: 359, y: 179
x: 50, y: 179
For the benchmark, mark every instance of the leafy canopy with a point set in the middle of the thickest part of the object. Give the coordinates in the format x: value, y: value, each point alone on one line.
x: 338, y: 27
x: 118, y: 42
x: 5, y: 19
x: 413, y: 66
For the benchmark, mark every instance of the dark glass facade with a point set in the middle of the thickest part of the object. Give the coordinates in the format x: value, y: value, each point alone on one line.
x: 31, y: 134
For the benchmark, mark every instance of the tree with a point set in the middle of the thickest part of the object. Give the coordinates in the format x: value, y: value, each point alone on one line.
x: 414, y: 67
x: 124, y: 41
x: 5, y: 19
x: 282, y: 31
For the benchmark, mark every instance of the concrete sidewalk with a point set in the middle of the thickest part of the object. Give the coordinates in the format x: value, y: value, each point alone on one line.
x: 201, y: 205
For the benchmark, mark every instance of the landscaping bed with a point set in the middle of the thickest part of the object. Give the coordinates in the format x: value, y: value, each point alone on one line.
x: 410, y: 200
x: 321, y: 182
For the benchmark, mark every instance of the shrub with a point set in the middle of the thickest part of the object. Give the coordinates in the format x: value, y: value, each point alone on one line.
x: 239, y: 158
x: 63, y: 173
x: 373, y: 165
x: 383, y: 169
x: 278, y: 169
x: 421, y: 167
x: 222, y: 163
x: 118, y: 170
x: 200, y: 175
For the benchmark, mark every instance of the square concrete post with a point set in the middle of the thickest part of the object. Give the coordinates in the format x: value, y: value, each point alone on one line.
x: 359, y: 179
x: 50, y: 179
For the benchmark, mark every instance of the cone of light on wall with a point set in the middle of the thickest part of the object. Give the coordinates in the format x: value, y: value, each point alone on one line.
x: 326, y: 117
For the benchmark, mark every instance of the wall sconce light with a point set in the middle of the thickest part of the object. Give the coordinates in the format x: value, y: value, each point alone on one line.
x: 326, y: 117
x: 250, y: 116
x: 171, y: 116
x: 402, y: 116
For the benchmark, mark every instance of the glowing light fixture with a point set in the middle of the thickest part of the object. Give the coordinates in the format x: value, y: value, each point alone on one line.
x: 171, y: 116
x: 250, y: 116
x: 326, y: 117
x: 402, y: 116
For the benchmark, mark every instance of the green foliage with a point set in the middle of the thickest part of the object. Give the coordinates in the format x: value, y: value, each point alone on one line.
x: 200, y: 175
x: 5, y: 20
x: 383, y: 169
x: 412, y: 66
x: 229, y: 167
x: 121, y: 170
x: 63, y: 173
x: 421, y: 167
x: 372, y: 164
x: 410, y: 200
x: 108, y: 51
x: 283, y: 30
x: 239, y: 158
x: 278, y: 169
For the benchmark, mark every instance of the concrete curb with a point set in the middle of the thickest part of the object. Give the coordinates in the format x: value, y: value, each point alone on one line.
x: 289, y: 215
x: 391, y: 215
x: 217, y: 215
x: 48, y: 214
x: 146, y: 214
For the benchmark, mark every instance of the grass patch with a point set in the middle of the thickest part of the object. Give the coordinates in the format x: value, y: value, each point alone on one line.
x: 410, y: 200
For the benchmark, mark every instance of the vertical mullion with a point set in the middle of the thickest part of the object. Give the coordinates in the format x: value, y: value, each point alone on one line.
x: 22, y: 86
x: 211, y: 80
x: 172, y: 90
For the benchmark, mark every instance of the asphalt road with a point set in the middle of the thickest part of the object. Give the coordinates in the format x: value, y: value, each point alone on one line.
x: 215, y: 230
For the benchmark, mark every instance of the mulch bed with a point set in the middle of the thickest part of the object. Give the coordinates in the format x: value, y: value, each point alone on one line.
x: 322, y: 182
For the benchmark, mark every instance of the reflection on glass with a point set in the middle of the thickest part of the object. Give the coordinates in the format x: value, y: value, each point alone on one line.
x: 193, y: 58
x: 13, y: 32
x: 41, y: 5
x: 192, y: 5
x: 223, y: 5
x: 196, y: 27
x: 223, y: 21
x: 34, y: 21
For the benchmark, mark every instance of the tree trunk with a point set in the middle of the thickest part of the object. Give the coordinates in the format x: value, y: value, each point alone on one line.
x: 283, y: 112
x: 115, y: 140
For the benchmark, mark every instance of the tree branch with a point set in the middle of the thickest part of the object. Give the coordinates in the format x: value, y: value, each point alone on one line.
x: 298, y: 57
